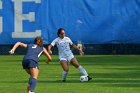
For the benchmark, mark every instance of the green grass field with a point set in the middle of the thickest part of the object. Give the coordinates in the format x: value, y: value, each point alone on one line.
x: 111, y: 74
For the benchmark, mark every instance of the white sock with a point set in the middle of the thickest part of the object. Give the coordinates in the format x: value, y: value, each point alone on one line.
x: 64, y: 75
x: 83, y: 71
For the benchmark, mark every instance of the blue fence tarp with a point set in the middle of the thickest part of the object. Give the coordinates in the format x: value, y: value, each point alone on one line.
x: 91, y: 21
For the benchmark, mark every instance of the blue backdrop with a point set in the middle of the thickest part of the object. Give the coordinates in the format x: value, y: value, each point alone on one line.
x: 91, y: 21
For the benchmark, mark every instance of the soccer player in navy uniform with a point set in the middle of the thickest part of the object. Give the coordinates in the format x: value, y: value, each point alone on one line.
x: 30, y: 60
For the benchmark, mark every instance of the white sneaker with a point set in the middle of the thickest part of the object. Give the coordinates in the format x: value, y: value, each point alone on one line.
x: 30, y: 92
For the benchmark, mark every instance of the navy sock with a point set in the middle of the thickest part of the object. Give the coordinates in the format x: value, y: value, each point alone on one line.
x: 32, y: 83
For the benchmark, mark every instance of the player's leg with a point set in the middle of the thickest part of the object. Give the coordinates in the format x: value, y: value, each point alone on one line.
x: 33, y: 78
x: 34, y: 71
x: 28, y: 86
x: 75, y: 63
x: 64, y: 65
x: 25, y: 64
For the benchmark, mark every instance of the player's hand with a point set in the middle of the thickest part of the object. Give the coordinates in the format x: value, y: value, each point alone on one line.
x: 50, y: 52
x: 11, y: 51
x: 81, y: 52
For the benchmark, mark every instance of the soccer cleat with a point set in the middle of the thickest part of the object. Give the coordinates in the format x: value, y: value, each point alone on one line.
x: 89, y: 78
x: 28, y: 88
x: 30, y: 92
x: 63, y: 80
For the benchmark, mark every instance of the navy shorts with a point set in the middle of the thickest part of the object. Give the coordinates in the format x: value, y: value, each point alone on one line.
x: 26, y: 64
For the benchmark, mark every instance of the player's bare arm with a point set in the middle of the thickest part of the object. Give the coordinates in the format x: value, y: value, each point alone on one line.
x: 47, y: 55
x: 49, y: 49
x: 16, y: 46
x: 75, y: 47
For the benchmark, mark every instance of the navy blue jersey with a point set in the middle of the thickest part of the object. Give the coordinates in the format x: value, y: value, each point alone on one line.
x: 33, y: 52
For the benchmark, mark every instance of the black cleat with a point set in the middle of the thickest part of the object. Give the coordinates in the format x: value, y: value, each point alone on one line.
x: 89, y: 78
x: 63, y: 80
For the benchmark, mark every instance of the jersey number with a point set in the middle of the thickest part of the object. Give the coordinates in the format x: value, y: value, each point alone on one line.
x: 34, y: 46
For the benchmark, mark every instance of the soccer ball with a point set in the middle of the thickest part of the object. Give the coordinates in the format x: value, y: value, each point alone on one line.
x: 83, y: 78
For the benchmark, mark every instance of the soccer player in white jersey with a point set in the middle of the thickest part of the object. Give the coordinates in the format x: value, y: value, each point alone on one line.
x: 65, y: 54
x: 31, y: 59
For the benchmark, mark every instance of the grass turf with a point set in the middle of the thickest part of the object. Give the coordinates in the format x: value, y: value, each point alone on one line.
x: 111, y: 74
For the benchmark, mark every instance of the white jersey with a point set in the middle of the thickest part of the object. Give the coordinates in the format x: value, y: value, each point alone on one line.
x: 63, y: 46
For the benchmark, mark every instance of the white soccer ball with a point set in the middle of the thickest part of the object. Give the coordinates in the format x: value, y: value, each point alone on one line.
x: 83, y: 78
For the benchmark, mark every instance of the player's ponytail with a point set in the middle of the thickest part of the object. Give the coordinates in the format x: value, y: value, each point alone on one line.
x: 39, y: 41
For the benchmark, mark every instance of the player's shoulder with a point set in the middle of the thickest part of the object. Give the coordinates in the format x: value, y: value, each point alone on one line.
x: 55, y: 41
x: 35, y: 45
x: 66, y: 37
x: 29, y: 45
